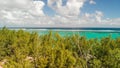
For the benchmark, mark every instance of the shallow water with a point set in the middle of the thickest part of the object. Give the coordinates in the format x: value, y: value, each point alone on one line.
x: 89, y: 34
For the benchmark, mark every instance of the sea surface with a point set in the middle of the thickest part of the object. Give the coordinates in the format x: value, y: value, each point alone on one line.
x: 89, y: 33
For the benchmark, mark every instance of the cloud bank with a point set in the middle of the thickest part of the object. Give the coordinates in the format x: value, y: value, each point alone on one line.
x: 68, y: 14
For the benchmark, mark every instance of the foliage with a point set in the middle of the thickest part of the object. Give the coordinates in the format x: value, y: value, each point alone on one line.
x: 22, y: 49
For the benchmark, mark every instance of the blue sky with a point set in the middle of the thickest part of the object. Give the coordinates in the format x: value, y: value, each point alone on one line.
x: 60, y: 13
x: 110, y: 8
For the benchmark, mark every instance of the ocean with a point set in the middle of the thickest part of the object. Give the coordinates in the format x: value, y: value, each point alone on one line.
x: 89, y: 33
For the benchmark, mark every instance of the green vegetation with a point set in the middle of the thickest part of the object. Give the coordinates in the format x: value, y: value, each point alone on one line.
x: 21, y: 49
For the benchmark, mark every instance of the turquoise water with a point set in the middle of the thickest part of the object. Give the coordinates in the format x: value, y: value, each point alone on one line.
x: 89, y: 34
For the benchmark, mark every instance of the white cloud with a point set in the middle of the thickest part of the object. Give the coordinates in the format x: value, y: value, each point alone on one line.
x: 8, y: 15
x: 30, y: 13
x: 21, y: 12
x: 99, y: 16
x: 92, y: 2
x: 71, y: 8
x: 20, y: 4
x: 38, y: 6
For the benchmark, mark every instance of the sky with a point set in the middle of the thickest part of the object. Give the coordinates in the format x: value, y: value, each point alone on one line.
x: 59, y: 13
